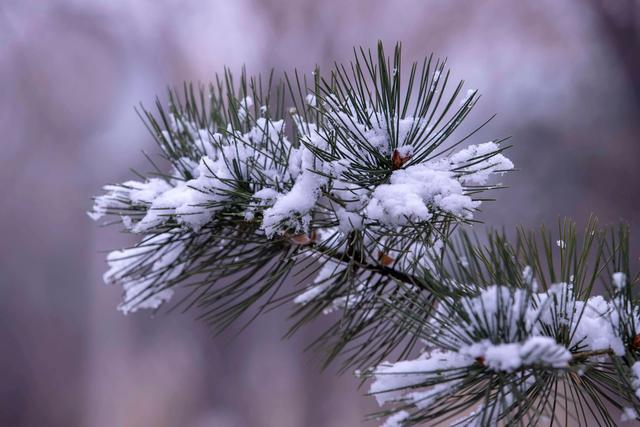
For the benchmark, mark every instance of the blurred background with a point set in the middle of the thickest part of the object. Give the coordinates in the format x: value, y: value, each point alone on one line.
x: 564, y: 78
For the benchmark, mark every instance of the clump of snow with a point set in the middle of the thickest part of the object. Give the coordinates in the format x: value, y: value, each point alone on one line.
x: 353, y: 199
x: 595, y: 328
x: 143, y: 270
x: 187, y: 199
x: 628, y: 414
x: 405, y: 150
x: 591, y: 320
x: 243, y: 108
x: 396, y: 419
x: 349, y: 221
x: 416, y: 193
x: 419, y: 191
x: 619, y: 280
x: 468, y: 96
x: 291, y: 210
x: 390, y: 380
x: 484, y: 309
x: 477, y: 163
x: 311, y: 100
x: 118, y: 197
x: 146, y: 192
x: 534, y: 351
x: 111, y: 201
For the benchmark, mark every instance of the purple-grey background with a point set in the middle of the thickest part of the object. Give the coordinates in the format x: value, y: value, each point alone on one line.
x: 563, y: 76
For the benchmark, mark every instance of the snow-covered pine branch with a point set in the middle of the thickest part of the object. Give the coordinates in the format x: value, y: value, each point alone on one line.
x: 521, y: 344
x: 358, y: 172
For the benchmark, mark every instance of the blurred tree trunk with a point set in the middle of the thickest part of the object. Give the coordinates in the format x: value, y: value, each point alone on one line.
x: 618, y: 22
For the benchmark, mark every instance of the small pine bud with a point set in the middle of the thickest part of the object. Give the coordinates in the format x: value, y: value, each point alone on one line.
x: 635, y: 343
x: 303, y: 239
x: 398, y: 160
x: 385, y: 259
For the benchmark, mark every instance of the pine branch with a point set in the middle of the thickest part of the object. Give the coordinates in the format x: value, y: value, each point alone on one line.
x: 524, y: 339
x: 351, y: 174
